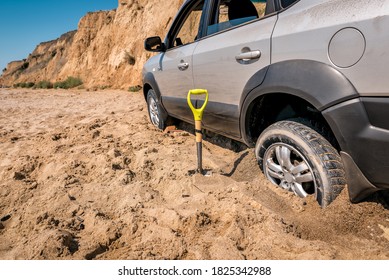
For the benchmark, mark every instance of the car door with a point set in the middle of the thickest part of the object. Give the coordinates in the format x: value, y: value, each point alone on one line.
x: 236, y: 46
x: 175, y: 76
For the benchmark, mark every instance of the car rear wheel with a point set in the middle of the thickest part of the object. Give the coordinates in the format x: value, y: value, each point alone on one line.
x: 296, y: 158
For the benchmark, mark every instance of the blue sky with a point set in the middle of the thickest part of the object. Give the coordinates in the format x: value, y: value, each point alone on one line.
x: 26, y: 23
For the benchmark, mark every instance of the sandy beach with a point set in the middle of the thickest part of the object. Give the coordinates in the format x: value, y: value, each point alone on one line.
x: 84, y: 175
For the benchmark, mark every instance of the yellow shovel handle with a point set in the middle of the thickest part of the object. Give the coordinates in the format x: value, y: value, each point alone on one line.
x: 198, y: 113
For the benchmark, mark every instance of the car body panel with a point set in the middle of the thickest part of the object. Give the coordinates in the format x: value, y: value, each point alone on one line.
x: 173, y: 82
x: 305, y: 30
x: 212, y: 66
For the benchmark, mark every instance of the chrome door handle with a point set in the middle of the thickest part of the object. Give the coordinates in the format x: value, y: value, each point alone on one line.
x: 183, y: 65
x: 246, y: 56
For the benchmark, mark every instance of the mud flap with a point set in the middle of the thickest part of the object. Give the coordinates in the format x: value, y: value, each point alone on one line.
x: 359, y: 187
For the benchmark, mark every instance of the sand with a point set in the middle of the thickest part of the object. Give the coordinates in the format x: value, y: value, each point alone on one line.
x: 84, y: 175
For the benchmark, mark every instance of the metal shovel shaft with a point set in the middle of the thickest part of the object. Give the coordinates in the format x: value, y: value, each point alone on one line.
x: 199, y: 144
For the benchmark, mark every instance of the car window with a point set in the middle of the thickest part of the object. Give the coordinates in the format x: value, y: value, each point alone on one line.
x: 189, y: 30
x: 230, y: 13
x: 287, y: 3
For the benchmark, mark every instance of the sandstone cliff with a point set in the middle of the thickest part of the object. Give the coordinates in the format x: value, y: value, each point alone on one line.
x: 105, y: 50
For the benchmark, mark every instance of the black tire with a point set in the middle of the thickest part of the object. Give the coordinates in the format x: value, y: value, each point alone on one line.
x: 297, y: 158
x: 154, y: 109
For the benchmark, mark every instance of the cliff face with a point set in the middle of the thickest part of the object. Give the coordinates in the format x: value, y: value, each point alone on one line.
x: 44, y: 63
x: 106, y: 50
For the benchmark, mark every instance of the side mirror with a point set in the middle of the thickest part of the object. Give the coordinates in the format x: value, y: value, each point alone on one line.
x: 154, y: 44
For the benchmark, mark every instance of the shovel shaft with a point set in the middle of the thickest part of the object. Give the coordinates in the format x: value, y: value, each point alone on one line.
x: 199, y: 140
x: 199, y: 134
x: 199, y: 157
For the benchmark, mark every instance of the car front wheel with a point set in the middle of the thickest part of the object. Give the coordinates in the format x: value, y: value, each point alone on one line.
x: 296, y: 158
x: 154, y: 110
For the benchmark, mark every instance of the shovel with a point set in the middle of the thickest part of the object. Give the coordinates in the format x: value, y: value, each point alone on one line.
x: 198, y: 116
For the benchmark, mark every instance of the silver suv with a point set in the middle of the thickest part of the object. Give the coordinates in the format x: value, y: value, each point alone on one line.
x: 304, y: 82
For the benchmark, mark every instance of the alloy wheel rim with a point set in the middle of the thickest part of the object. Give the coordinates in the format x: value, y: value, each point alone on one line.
x: 153, y: 109
x: 287, y: 167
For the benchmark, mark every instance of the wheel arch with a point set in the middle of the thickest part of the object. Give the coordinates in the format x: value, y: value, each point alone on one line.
x: 149, y: 83
x: 309, y: 86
